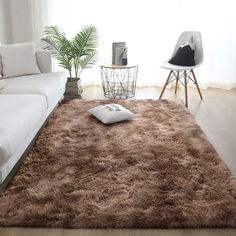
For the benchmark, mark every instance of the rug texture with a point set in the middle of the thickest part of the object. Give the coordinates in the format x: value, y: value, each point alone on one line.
x: 157, y: 171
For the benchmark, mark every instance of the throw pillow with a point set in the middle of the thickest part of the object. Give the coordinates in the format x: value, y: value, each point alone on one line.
x: 3, y: 84
x: 111, y: 113
x: 18, y: 59
x: 184, y: 56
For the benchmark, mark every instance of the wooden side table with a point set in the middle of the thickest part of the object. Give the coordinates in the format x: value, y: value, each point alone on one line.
x: 119, y: 81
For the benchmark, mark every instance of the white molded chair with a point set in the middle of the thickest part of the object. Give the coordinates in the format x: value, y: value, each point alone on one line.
x: 186, y: 72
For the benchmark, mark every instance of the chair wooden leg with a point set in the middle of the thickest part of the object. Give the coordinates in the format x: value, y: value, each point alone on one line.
x: 177, y: 80
x: 186, y: 88
x: 195, y: 80
x: 167, y: 81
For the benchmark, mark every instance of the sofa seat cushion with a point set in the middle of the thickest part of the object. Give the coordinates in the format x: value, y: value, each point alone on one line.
x: 19, y: 114
x: 51, y: 85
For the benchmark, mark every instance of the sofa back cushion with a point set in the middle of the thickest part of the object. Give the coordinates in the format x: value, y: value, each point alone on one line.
x: 18, y: 59
x: 44, y: 61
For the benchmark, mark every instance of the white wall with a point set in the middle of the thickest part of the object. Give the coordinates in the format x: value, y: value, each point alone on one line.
x: 5, y: 22
x: 151, y: 28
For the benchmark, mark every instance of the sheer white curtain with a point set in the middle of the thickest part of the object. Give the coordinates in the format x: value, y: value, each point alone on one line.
x: 150, y: 29
x: 41, y: 17
x: 28, y: 19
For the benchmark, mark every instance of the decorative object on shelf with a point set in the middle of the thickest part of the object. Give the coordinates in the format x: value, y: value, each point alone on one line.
x: 114, y: 46
x: 119, y: 81
x: 124, y: 56
x: 119, y: 53
x: 74, y: 54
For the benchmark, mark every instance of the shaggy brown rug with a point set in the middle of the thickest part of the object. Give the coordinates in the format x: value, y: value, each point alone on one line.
x: 157, y: 171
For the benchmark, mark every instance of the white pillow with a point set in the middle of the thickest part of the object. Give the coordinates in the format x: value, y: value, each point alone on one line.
x: 111, y: 113
x: 190, y: 43
x: 3, y: 84
x: 18, y: 59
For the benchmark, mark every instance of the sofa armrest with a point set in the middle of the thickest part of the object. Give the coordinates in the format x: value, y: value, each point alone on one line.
x: 44, y: 61
x: 0, y: 63
x: 0, y: 66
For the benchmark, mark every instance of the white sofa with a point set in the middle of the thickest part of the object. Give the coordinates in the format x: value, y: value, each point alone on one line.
x: 25, y: 104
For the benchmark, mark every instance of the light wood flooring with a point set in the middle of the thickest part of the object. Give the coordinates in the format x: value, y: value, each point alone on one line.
x: 216, y: 115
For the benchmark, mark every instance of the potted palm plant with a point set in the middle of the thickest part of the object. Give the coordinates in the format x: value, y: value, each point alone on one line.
x: 74, y: 54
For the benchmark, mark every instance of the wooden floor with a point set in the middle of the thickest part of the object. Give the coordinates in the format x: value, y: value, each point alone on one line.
x: 216, y: 115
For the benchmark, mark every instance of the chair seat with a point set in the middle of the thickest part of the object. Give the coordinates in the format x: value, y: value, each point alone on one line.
x: 168, y: 66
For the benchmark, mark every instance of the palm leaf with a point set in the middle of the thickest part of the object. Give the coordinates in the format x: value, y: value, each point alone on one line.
x: 60, y: 47
x: 88, y: 61
x: 76, y: 54
x: 86, y: 41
